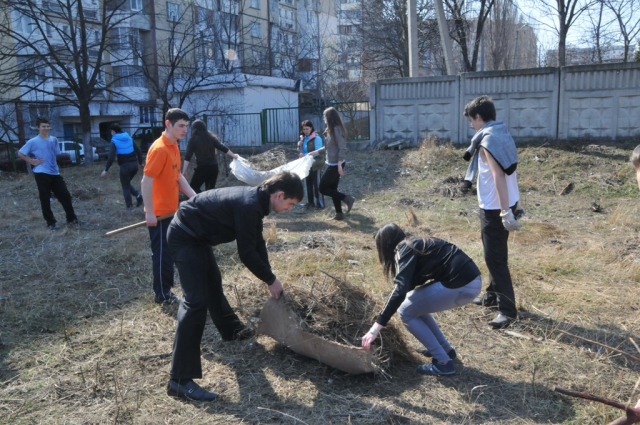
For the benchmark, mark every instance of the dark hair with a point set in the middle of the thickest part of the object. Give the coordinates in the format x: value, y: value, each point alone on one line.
x: 333, y: 120
x: 307, y: 123
x: 482, y: 106
x: 175, y: 114
x: 286, y: 182
x: 115, y: 127
x: 42, y: 120
x: 199, y: 132
x: 387, y: 238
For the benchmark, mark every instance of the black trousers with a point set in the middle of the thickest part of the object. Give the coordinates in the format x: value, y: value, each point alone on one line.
x: 496, y: 254
x: 205, y: 173
x: 201, y: 283
x: 329, y: 186
x: 162, y: 260
x: 314, y: 197
x: 48, y: 183
x: 128, y: 170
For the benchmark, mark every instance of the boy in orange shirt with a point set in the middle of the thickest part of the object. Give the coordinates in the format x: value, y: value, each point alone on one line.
x: 160, y: 188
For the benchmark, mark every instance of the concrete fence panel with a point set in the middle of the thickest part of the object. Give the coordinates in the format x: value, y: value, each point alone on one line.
x: 600, y: 101
x: 527, y: 102
x: 414, y: 108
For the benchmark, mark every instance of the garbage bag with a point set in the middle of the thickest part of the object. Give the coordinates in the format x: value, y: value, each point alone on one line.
x: 243, y: 171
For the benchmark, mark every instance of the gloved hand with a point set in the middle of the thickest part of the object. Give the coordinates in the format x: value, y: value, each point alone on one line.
x: 467, y: 156
x: 509, y: 221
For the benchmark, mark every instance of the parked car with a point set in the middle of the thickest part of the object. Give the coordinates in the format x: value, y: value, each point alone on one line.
x: 72, y: 148
x: 63, y: 159
x: 101, y: 147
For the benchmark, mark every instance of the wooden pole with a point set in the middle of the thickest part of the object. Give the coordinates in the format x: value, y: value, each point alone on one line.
x: 135, y: 226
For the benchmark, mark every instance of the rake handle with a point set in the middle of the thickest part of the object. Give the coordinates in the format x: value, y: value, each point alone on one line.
x: 135, y: 226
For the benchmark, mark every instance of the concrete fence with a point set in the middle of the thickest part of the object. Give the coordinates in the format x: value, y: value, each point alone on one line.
x: 594, y: 101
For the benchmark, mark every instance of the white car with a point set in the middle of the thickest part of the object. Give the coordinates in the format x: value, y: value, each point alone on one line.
x: 72, y: 147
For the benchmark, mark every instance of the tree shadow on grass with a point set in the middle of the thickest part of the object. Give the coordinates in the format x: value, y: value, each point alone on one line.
x: 606, y: 333
x: 335, y: 397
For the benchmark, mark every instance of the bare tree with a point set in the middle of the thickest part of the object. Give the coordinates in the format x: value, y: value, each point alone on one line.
x: 384, y: 34
x: 468, y: 21
x: 637, y: 55
x: 55, y: 49
x: 567, y: 13
x: 200, y: 49
x: 627, y: 16
x: 499, y: 35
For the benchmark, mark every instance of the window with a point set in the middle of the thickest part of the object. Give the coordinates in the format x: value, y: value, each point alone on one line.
x: 120, y: 38
x: 229, y: 6
x: 52, y: 5
x: 204, y: 15
x: 173, y: 12
x: 256, y: 30
x: 30, y: 69
x: 255, y: 4
x: 287, y: 1
x: 312, y: 18
x: 136, y: 5
x: 128, y: 76
x: 48, y: 29
x: 91, y: 14
x: 148, y: 115
x: 305, y: 65
x: 25, y: 24
x: 345, y: 29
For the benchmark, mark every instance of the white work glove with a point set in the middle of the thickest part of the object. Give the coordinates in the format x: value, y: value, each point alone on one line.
x: 509, y: 221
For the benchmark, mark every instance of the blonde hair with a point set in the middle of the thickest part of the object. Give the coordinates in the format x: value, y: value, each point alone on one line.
x: 635, y: 157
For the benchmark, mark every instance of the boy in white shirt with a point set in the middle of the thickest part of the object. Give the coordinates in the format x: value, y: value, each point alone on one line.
x: 497, y: 159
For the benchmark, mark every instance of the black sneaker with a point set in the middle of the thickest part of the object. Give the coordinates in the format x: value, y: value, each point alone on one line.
x: 138, y: 200
x: 74, y: 222
x: 452, y: 353
x: 501, y: 321
x: 169, y: 299
x: 484, y: 301
x: 53, y: 226
x: 437, y: 368
x: 190, y: 391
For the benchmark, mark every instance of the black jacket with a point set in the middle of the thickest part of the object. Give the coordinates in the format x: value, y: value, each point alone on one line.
x: 232, y: 213
x: 425, y: 261
x: 204, y: 148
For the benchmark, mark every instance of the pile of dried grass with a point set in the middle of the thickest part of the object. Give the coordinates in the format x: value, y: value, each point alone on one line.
x: 339, y: 311
x: 268, y: 160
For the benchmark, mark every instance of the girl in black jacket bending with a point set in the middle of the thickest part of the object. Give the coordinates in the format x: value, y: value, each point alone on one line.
x: 430, y: 275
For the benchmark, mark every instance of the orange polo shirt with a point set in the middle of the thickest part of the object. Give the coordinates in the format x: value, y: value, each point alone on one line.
x: 163, y: 165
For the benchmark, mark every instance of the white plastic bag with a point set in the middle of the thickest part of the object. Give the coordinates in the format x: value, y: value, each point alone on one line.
x: 243, y: 172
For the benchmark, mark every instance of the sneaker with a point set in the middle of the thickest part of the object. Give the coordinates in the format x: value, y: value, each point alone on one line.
x: 437, y: 368
x: 74, y: 222
x: 169, y: 299
x: 138, y: 200
x: 189, y: 390
x: 501, y: 321
x: 452, y: 353
x: 53, y: 226
x: 485, y: 301
x: 349, y: 200
x: 338, y: 217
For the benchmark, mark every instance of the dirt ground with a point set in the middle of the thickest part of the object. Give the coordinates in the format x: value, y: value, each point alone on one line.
x: 81, y: 340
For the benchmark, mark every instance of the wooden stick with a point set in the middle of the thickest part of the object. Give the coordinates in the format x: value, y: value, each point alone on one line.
x: 632, y: 357
x: 633, y: 413
x: 135, y: 226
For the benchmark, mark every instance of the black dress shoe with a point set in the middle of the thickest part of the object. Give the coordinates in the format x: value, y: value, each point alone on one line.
x: 501, y: 321
x: 485, y: 302
x: 190, y: 391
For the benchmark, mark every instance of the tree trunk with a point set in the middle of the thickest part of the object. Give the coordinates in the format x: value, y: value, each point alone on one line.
x: 85, y: 125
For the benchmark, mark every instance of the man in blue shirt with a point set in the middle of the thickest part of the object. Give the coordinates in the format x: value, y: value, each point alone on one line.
x: 41, y: 153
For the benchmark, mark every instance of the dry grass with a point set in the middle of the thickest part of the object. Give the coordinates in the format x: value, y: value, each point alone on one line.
x: 81, y: 340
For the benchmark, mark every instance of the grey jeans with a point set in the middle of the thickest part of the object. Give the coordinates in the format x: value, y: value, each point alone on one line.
x: 417, y: 307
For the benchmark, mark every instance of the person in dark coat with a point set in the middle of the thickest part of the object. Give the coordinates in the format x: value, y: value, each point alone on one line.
x: 204, y: 144
x: 208, y: 219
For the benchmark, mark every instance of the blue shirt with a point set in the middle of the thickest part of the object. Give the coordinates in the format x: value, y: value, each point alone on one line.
x: 123, y: 142
x: 46, y: 149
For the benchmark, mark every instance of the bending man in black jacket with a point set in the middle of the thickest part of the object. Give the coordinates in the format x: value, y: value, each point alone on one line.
x: 211, y: 218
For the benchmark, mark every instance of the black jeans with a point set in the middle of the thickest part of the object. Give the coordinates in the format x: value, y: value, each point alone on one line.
x: 162, y: 260
x: 496, y: 254
x: 314, y: 197
x: 204, y: 173
x: 329, y: 186
x: 48, y: 183
x: 201, y: 283
x: 128, y: 170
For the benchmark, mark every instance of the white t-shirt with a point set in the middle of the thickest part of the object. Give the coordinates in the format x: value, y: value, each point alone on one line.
x: 487, y: 192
